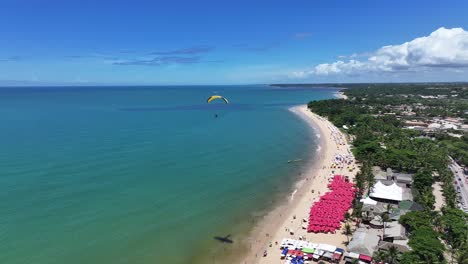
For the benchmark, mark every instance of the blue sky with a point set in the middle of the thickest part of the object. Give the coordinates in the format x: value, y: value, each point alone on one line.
x: 228, y: 42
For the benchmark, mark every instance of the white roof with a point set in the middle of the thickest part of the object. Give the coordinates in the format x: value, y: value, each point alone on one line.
x: 368, y: 200
x: 326, y: 247
x: 450, y: 126
x: 434, y: 125
x: 391, y: 192
x: 312, y: 245
x: 352, y: 255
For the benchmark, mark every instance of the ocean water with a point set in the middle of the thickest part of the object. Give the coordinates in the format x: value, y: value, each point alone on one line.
x: 142, y: 174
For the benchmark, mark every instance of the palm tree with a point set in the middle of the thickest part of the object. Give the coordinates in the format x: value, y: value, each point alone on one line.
x: 393, y: 255
x: 437, y: 221
x: 384, y: 218
x: 461, y: 257
x: 347, y: 216
x: 380, y: 256
x: 348, y: 231
x: 389, y: 208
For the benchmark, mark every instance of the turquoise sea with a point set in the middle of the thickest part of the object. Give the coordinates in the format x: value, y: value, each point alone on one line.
x: 142, y: 174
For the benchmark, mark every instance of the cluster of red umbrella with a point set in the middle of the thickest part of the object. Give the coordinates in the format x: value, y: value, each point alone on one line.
x: 326, y: 214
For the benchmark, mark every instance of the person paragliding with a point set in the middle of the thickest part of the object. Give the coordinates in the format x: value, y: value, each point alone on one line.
x: 217, y: 97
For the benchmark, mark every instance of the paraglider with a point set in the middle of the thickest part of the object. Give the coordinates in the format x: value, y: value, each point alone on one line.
x: 215, y: 97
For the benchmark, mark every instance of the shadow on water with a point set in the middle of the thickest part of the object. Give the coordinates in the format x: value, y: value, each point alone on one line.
x: 225, y: 239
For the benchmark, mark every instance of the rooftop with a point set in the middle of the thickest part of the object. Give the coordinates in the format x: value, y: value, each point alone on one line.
x: 364, y: 241
x: 388, y: 192
x: 395, y: 230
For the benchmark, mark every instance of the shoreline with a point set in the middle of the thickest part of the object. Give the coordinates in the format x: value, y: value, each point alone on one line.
x: 340, y: 95
x: 289, y: 214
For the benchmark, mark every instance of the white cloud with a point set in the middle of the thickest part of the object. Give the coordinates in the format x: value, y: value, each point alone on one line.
x: 443, y: 48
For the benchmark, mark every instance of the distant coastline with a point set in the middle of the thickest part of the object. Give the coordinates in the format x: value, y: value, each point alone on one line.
x: 309, y: 85
x: 340, y: 95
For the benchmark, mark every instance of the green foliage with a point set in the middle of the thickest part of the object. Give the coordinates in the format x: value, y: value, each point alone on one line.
x: 461, y: 255
x: 457, y: 147
x: 426, y: 247
x: 422, y: 179
x: 455, y: 227
x: 347, y: 231
x: 425, y: 244
x: 416, y: 220
x: 391, y: 256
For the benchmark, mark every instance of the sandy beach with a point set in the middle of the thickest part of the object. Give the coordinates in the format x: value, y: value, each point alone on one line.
x: 289, y: 216
x: 340, y: 95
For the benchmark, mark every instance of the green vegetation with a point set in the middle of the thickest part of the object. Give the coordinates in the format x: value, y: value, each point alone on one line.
x: 391, y: 256
x: 373, y: 117
x: 456, y: 147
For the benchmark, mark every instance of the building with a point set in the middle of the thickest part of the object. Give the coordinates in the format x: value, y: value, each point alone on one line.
x: 389, y: 176
x: 394, y: 236
x: 400, y: 178
x: 394, y: 231
x: 365, y: 241
x: 371, y: 208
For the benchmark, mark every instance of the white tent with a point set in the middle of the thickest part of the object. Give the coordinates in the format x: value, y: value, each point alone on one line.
x: 368, y: 201
x: 391, y: 192
x: 326, y: 247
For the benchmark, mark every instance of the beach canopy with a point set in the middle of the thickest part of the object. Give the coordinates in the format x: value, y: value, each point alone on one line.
x: 308, y: 250
x: 352, y: 255
x: 336, y: 256
x: 365, y: 258
x: 340, y: 250
x: 326, y: 247
x: 368, y: 201
x: 388, y: 192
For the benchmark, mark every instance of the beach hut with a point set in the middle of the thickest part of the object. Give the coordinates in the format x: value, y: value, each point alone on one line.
x: 349, y: 256
x: 336, y: 257
x: 339, y: 250
x: 328, y: 255
x: 283, y: 243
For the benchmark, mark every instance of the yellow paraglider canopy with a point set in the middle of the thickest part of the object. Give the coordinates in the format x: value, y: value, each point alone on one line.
x: 214, y: 97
